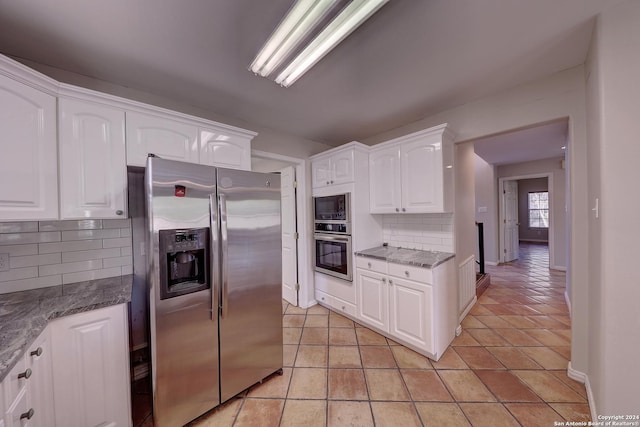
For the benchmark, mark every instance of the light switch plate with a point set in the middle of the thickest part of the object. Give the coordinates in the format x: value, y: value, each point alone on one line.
x: 4, y: 262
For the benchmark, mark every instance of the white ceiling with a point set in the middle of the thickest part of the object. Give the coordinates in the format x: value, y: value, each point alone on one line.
x: 412, y: 59
x: 535, y: 143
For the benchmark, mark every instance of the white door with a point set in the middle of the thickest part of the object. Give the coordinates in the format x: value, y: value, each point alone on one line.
x: 91, y: 368
x: 166, y: 138
x: 421, y: 168
x: 373, y: 300
x: 223, y: 149
x: 321, y: 172
x: 28, y: 153
x: 384, y: 181
x: 93, y: 170
x: 410, y: 312
x: 342, y: 167
x: 510, y: 205
x: 289, y: 235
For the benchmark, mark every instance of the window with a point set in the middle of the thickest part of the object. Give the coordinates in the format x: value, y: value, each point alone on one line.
x: 539, y: 209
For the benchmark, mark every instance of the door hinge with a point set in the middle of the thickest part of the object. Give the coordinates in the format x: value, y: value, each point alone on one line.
x: 297, y: 286
x: 505, y: 251
x: 296, y: 235
x: 295, y: 184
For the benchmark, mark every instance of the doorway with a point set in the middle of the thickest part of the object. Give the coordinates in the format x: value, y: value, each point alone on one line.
x: 294, y: 233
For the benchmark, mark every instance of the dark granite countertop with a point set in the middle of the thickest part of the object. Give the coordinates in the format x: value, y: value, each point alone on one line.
x: 24, y: 315
x: 426, y: 259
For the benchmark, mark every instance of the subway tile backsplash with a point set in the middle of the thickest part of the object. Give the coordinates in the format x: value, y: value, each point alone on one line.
x: 428, y: 232
x: 51, y: 253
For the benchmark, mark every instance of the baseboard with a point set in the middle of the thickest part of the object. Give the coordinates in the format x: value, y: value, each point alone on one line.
x: 568, y: 301
x: 493, y: 263
x: 468, y: 308
x: 139, y: 346
x: 533, y: 241
x: 583, y: 378
x: 558, y: 267
x: 311, y: 304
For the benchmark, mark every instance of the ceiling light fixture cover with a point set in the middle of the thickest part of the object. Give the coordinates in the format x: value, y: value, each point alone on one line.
x: 304, y: 16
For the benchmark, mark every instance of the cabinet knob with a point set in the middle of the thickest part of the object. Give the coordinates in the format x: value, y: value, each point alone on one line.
x: 322, y: 298
x: 26, y: 374
x: 397, y: 210
x: 119, y: 212
x: 332, y: 181
x: 343, y: 307
x: 404, y: 210
x: 36, y: 352
x: 384, y: 280
x: 369, y: 264
x: 28, y: 415
x: 390, y: 282
x: 407, y: 273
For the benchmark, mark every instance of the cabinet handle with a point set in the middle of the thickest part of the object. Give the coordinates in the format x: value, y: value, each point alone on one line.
x: 119, y: 212
x: 390, y: 282
x: 384, y: 280
x: 397, y: 210
x: 404, y: 210
x: 36, y: 352
x: 28, y: 415
x: 407, y: 273
x: 26, y: 374
x: 369, y: 264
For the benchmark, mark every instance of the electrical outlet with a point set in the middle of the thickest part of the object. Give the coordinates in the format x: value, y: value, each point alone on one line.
x: 4, y: 262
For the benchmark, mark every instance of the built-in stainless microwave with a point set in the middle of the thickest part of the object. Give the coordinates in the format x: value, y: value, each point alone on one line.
x: 332, y: 208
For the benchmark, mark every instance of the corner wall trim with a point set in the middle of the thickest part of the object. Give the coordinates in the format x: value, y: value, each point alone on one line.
x: 568, y: 301
x: 584, y: 379
x: 468, y: 308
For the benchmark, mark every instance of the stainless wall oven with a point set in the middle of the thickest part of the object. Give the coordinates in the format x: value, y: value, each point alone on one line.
x: 333, y: 255
x: 332, y: 227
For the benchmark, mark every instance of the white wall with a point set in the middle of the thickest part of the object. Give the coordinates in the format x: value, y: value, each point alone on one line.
x: 486, y: 192
x: 558, y: 201
x: 613, y: 95
x: 558, y: 96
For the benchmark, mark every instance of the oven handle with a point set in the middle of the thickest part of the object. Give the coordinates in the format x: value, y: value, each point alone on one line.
x: 332, y: 237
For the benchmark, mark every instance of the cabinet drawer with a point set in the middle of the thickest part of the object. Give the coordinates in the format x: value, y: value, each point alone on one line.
x: 419, y: 274
x: 13, y: 384
x: 343, y: 307
x: 371, y: 264
x: 323, y: 298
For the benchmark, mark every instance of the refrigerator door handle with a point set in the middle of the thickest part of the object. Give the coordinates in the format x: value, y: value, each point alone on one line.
x: 222, y: 204
x: 213, y: 255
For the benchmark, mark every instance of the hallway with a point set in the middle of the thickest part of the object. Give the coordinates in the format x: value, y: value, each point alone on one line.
x: 507, y: 368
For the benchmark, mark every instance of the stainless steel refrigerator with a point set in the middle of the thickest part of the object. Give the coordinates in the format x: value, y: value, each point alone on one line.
x: 215, y: 284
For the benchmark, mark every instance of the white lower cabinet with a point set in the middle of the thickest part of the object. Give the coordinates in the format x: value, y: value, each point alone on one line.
x: 412, y: 305
x: 91, y: 366
x: 27, y: 390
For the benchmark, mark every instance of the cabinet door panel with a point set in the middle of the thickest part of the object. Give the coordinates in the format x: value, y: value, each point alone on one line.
x: 411, y: 311
x: 93, y: 171
x: 421, y: 176
x: 342, y: 167
x: 28, y: 154
x: 222, y: 149
x: 384, y: 181
x: 321, y: 172
x: 165, y: 138
x: 41, y: 382
x: 91, y: 366
x: 373, y: 303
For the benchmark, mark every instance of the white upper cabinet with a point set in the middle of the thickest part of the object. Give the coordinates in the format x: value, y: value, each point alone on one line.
x: 384, y: 180
x: 164, y: 137
x: 225, y: 149
x: 420, y: 181
x: 28, y: 153
x: 333, y: 169
x: 93, y: 170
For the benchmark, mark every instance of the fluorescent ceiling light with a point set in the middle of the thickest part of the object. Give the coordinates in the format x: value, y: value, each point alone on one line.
x: 299, y: 21
x: 351, y: 17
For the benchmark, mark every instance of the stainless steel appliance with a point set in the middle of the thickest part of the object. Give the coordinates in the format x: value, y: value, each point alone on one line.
x: 332, y: 208
x: 333, y: 255
x: 215, y: 275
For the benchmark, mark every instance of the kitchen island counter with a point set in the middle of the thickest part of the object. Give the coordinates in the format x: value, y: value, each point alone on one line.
x: 25, y: 314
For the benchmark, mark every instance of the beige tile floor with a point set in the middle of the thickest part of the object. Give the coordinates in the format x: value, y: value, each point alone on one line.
x: 507, y: 368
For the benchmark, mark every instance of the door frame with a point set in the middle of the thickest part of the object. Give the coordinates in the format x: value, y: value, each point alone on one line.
x: 303, y: 222
x: 501, y: 217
